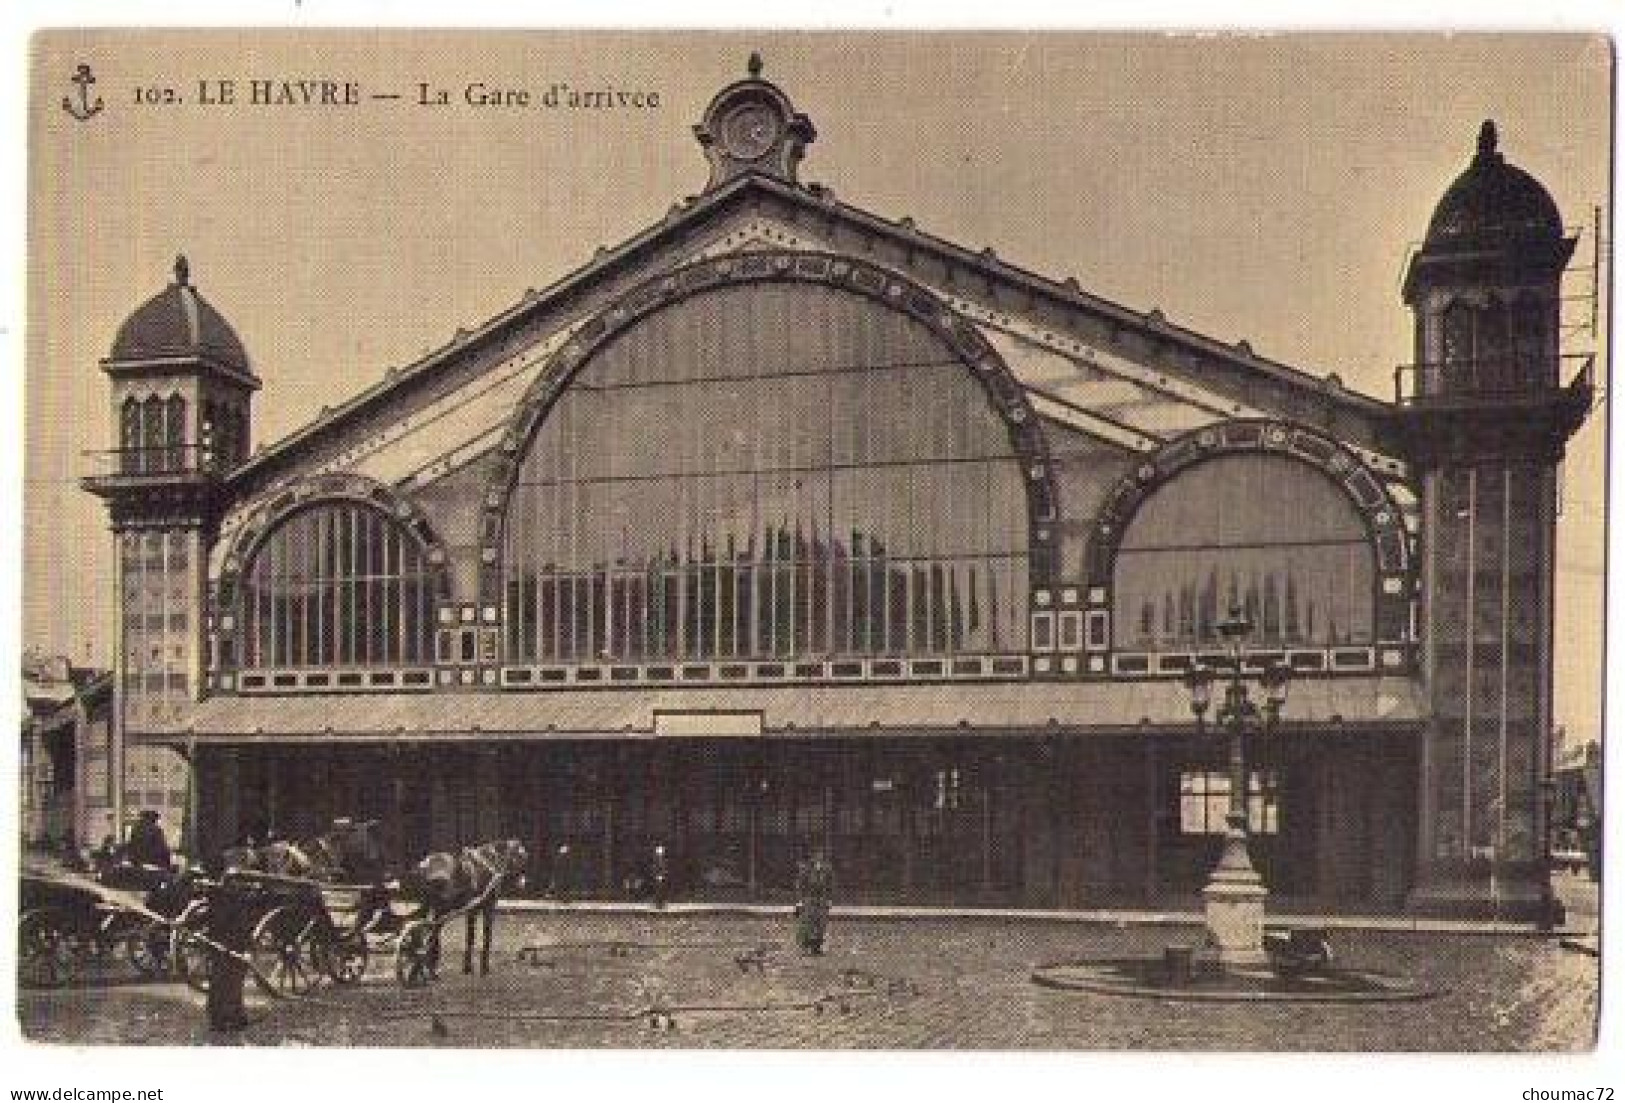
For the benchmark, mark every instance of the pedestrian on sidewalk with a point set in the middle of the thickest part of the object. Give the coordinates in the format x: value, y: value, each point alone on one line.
x: 561, y: 873
x: 659, y: 873
x: 815, y: 887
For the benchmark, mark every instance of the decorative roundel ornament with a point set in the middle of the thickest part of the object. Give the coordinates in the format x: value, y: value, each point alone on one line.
x: 750, y: 131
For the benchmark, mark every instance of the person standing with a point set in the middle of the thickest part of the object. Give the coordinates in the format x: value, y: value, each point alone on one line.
x: 230, y: 928
x: 815, y: 887
x: 561, y: 873
x: 659, y: 873
x: 147, y: 845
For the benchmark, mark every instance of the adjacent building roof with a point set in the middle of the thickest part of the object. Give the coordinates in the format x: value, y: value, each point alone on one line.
x: 53, y: 687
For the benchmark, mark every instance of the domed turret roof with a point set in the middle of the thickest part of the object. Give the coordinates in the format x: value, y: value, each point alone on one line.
x: 1493, y: 204
x: 179, y: 322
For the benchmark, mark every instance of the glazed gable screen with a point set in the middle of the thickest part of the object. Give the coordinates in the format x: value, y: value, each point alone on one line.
x: 1265, y: 533
x: 768, y: 470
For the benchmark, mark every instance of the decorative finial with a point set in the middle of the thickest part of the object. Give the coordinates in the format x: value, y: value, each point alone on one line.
x: 754, y: 65
x: 183, y: 271
x: 1487, y: 139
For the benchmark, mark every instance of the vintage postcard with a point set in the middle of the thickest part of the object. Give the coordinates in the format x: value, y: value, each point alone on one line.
x: 775, y: 540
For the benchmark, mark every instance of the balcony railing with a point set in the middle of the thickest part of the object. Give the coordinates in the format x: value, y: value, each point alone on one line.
x: 1503, y: 380
x: 157, y: 462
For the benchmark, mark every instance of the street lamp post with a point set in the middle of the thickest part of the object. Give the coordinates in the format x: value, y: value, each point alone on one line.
x: 1233, y: 899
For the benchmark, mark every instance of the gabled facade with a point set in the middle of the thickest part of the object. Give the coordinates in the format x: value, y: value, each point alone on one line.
x: 65, y: 768
x: 784, y: 525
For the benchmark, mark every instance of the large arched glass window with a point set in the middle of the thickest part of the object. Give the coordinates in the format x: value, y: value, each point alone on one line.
x: 339, y: 583
x: 768, y: 471
x: 1265, y: 533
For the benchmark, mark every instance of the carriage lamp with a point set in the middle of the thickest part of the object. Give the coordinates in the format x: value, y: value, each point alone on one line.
x: 1233, y: 899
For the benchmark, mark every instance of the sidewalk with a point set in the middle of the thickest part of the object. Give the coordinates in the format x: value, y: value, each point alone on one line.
x: 1099, y: 916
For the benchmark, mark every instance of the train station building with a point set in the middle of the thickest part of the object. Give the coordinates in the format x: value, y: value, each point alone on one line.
x: 782, y: 524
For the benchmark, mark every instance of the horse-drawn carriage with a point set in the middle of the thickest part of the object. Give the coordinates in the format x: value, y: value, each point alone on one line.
x: 70, y: 922
x: 311, y: 930
x: 324, y: 910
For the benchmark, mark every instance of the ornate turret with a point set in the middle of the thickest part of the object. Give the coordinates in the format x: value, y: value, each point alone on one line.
x: 182, y: 387
x: 1484, y: 418
x: 751, y: 126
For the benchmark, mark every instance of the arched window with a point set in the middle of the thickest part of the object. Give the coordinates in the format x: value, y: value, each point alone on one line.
x: 768, y: 470
x: 129, y: 436
x: 150, y: 458
x: 1267, y: 533
x: 174, y: 455
x: 338, y: 583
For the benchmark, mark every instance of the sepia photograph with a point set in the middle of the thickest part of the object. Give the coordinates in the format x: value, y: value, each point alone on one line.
x: 788, y: 540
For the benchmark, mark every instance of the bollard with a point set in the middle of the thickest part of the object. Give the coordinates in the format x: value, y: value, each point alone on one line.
x: 1177, y: 970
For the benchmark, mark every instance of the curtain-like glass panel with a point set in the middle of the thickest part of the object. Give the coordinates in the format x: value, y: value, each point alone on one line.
x: 337, y: 584
x: 1267, y: 534
x: 769, y: 471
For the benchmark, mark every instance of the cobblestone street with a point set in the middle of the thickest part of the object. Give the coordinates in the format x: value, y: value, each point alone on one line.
x: 588, y: 979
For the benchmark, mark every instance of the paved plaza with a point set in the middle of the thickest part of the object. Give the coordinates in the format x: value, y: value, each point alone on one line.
x: 585, y: 978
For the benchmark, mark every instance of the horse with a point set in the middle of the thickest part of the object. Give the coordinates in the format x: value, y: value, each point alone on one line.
x: 473, y: 879
x: 348, y: 852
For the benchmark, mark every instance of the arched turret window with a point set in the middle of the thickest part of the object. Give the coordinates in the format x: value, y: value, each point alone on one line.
x: 174, y: 453
x: 338, y: 583
x: 150, y: 459
x: 129, y: 436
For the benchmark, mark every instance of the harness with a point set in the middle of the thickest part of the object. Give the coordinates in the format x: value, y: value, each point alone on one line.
x: 498, y: 874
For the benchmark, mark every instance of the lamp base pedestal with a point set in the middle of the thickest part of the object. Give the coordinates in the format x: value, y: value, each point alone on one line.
x: 1233, y: 904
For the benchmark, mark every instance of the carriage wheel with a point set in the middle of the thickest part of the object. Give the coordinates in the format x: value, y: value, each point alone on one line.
x: 412, y: 953
x: 283, y: 954
x: 47, y: 952
x: 344, y: 960
x: 191, y: 958
x: 187, y: 952
x: 147, y: 947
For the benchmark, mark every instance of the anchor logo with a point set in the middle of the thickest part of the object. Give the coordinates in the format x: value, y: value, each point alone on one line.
x: 84, y: 109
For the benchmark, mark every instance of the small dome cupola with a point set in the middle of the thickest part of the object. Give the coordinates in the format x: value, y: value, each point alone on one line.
x: 1495, y: 225
x: 751, y: 126
x: 179, y: 323
x: 1493, y: 204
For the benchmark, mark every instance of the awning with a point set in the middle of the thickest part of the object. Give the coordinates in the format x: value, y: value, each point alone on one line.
x: 1024, y: 709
